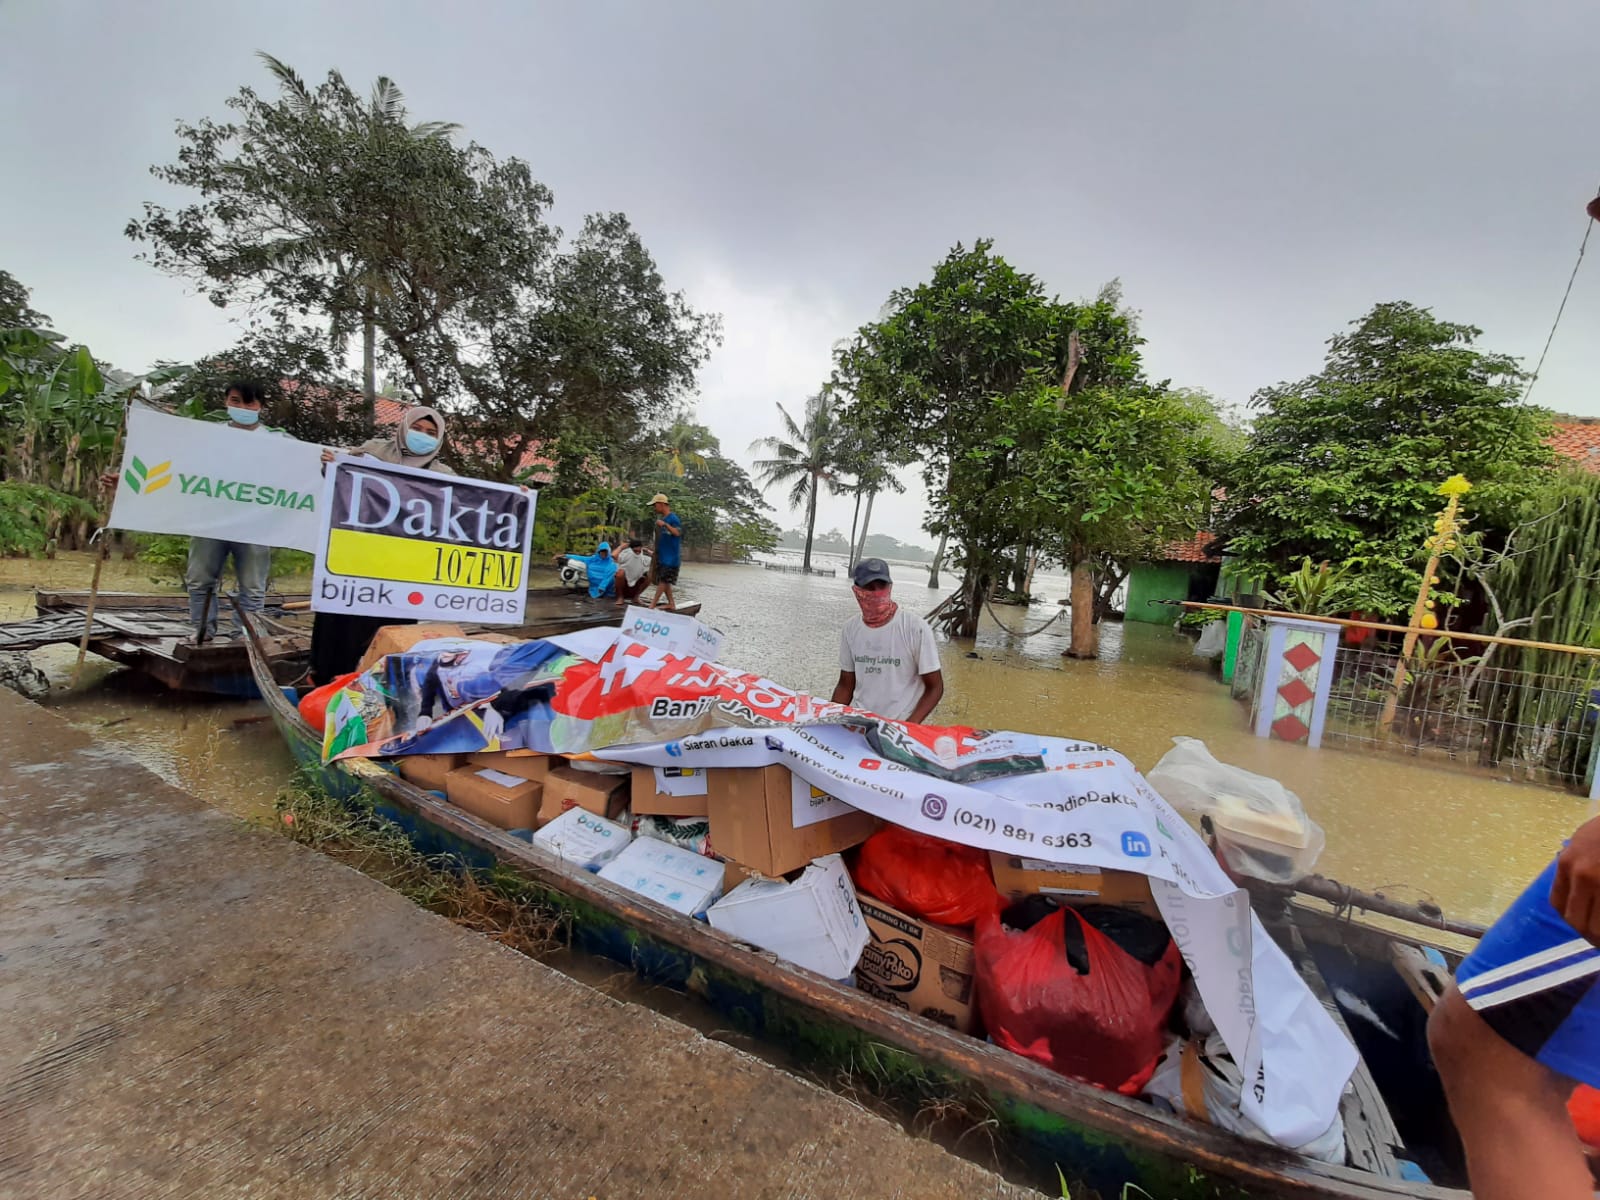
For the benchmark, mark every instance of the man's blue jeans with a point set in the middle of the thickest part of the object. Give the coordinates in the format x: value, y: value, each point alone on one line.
x: 203, y: 578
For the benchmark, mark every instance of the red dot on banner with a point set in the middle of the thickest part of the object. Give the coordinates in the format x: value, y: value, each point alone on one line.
x: 414, y: 598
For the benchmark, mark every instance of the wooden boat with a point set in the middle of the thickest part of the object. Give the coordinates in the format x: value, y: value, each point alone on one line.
x: 151, y: 634
x: 1099, y: 1139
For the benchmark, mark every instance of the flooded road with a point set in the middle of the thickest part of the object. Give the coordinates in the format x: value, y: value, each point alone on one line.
x: 1469, y: 842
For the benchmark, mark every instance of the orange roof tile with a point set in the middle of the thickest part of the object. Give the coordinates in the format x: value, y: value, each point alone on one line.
x: 1196, y: 549
x: 1579, y: 441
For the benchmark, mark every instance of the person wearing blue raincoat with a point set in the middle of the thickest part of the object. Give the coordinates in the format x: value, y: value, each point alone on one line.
x: 602, y: 569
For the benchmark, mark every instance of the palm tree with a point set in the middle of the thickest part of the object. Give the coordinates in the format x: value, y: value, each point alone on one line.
x: 804, y: 456
x: 685, y: 445
x: 383, y: 119
x: 873, y: 477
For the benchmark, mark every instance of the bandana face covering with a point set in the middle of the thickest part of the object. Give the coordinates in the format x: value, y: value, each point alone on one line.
x: 877, y: 607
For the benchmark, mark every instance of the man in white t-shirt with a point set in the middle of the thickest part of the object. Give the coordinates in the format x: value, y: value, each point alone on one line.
x: 634, y: 564
x: 888, y: 661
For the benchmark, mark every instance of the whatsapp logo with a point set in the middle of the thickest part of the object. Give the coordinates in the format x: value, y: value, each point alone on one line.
x: 143, y: 480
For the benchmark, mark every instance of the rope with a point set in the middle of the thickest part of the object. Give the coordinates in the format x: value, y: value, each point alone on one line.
x: 1582, y: 246
x: 1030, y: 632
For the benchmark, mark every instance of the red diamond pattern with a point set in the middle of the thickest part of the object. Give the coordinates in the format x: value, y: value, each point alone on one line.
x: 1296, y: 693
x: 1301, y: 656
x: 1291, y: 729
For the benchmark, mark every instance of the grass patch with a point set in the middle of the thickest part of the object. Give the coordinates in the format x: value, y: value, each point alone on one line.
x: 496, y: 903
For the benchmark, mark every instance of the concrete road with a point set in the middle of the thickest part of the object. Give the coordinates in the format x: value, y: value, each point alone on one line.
x: 190, y: 1007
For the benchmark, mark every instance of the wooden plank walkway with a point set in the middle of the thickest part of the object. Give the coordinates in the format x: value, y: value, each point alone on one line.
x: 195, y: 1007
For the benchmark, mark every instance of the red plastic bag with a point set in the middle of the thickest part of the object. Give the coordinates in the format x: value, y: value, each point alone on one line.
x: 1106, y: 1026
x: 926, y: 877
x: 1584, y: 1109
x: 314, y: 704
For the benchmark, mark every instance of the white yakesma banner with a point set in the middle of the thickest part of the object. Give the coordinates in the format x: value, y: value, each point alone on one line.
x: 206, y: 479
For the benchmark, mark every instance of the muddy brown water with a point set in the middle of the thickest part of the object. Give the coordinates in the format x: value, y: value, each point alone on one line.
x: 1468, y: 841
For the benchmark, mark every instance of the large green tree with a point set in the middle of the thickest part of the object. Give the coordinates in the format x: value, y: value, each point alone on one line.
x: 945, y: 374
x: 1343, y: 466
x: 320, y: 210
x: 1104, y: 476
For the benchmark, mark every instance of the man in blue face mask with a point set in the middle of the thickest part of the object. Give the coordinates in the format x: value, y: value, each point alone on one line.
x: 208, y: 556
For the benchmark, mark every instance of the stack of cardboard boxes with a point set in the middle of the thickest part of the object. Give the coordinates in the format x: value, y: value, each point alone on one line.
x: 781, y: 883
x: 758, y: 852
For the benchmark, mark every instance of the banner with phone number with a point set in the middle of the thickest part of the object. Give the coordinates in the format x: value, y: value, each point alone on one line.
x: 401, y: 542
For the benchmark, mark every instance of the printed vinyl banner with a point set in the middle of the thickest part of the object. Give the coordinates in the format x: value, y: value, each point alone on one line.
x: 206, y: 479
x: 673, y: 632
x: 1034, y: 796
x: 401, y: 542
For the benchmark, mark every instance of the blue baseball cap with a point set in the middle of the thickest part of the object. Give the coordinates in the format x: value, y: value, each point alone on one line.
x: 870, y: 570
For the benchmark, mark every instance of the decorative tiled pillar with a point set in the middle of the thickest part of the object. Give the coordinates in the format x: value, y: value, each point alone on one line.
x: 1296, y: 677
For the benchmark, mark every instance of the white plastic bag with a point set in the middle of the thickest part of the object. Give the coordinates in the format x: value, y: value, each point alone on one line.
x: 1213, y: 640
x: 1261, y: 827
x: 1215, y: 1084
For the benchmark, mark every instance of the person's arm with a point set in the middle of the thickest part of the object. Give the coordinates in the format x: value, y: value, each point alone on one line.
x: 845, y: 690
x: 669, y: 525
x: 1576, y: 892
x: 932, y: 693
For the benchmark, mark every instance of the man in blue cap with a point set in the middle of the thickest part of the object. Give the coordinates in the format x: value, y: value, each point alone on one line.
x: 601, y: 568
x: 888, y: 659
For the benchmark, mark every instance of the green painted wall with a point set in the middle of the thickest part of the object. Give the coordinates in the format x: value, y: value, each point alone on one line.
x: 1156, y: 581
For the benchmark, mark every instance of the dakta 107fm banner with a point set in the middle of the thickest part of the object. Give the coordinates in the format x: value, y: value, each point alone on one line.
x: 401, y: 542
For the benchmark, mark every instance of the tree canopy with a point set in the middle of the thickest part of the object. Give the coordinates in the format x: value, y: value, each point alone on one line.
x: 1033, y: 421
x: 1343, y: 466
x: 322, y: 212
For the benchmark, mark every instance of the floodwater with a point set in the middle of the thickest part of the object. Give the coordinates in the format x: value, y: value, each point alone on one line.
x: 1467, y: 841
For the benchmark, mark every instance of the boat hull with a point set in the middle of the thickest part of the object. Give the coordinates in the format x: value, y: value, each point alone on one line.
x: 1098, y: 1139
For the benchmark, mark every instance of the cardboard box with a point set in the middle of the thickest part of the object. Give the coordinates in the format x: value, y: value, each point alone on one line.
x: 813, y: 922
x: 920, y: 967
x: 682, y: 880
x: 669, y: 791
x: 566, y: 787
x: 578, y: 836
x: 429, y: 770
x: 502, y: 800
x: 519, y: 763
x: 392, y: 639
x: 774, y: 822
x: 1017, y: 878
x: 735, y: 873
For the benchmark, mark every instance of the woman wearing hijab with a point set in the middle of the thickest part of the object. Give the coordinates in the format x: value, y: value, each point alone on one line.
x: 338, y: 640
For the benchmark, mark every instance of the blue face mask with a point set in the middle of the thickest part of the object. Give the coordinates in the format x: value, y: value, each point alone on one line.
x: 418, y: 442
x: 243, y: 416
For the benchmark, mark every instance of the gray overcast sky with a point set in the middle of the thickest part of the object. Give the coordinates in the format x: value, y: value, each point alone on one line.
x: 1257, y: 174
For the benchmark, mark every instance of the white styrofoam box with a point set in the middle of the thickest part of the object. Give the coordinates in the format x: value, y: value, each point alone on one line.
x: 813, y: 922
x: 682, y: 880
x: 581, y: 836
